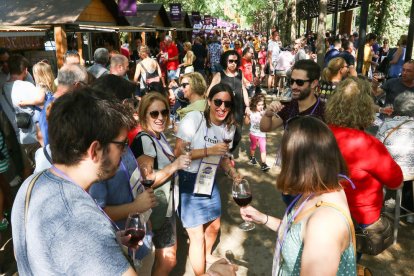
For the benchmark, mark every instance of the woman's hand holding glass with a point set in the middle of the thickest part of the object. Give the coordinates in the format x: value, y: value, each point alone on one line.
x: 218, y: 149
x: 250, y: 213
x: 145, y: 200
x: 182, y: 162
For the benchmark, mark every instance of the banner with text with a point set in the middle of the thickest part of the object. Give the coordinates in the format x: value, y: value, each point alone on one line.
x: 175, y: 12
x: 127, y: 7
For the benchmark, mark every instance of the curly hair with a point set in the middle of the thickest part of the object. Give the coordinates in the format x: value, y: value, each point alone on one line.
x: 351, y: 105
x: 255, y: 100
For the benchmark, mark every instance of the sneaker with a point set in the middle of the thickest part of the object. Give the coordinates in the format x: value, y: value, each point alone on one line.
x: 253, y: 160
x: 4, y: 224
x: 265, y: 167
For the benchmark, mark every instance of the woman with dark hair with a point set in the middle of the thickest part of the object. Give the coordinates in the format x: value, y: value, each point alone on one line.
x: 315, y: 237
x: 233, y: 76
x: 200, y: 204
x: 151, y: 149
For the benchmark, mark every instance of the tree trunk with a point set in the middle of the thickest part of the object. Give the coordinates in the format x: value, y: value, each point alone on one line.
x: 294, y: 22
x: 320, y: 43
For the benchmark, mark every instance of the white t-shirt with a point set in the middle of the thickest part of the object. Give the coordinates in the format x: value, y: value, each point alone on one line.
x: 255, y: 118
x: 16, y: 92
x: 190, y: 130
x: 274, y: 47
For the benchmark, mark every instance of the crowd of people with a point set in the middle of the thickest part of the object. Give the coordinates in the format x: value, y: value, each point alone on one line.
x: 90, y: 140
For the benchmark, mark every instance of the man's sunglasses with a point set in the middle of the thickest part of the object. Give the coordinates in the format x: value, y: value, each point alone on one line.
x: 154, y: 114
x: 218, y: 103
x: 232, y: 61
x: 298, y: 82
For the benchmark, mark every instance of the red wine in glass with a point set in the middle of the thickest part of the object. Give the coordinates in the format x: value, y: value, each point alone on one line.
x: 243, y: 199
x: 147, y: 182
x: 227, y: 140
x: 285, y: 101
x: 136, y: 236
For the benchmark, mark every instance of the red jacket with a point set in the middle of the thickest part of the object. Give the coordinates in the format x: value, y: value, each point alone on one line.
x: 370, y: 168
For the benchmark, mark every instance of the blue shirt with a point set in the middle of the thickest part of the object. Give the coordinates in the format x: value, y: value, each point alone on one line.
x: 43, y: 125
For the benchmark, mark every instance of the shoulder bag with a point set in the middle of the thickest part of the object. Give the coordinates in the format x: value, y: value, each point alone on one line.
x: 23, y: 119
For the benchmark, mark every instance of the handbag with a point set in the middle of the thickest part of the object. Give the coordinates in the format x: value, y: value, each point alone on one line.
x: 375, y: 238
x: 23, y: 119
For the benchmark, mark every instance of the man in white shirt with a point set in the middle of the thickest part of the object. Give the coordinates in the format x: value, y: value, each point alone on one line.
x: 15, y: 90
x: 273, y: 51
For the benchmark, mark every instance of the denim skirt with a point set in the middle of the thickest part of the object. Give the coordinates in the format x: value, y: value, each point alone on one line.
x: 194, y: 209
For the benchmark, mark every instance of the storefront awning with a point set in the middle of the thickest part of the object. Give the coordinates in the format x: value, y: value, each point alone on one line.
x: 16, y: 31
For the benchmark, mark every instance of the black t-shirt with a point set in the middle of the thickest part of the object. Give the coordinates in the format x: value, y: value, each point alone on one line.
x: 393, y: 88
x: 350, y: 59
x: 236, y: 85
x: 292, y: 109
x: 200, y: 53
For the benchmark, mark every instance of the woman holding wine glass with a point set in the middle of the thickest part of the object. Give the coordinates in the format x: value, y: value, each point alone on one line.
x: 315, y: 236
x: 152, y: 151
x: 200, y: 204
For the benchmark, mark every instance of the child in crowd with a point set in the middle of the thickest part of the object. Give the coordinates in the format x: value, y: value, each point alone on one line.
x: 257, y: 106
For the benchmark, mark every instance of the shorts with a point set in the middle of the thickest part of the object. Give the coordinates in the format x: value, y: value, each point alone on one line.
x: 166, y: 235
x: 215, y: 68
x: 254, y: 140
x: 195, y: 210
x: 173, y: 74
x: 281, y: 73
x: 274, y: 63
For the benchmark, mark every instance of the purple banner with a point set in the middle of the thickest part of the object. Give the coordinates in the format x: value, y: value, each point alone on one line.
x: 127, y: 7
x: 214, y: 21
x: 175, y: 12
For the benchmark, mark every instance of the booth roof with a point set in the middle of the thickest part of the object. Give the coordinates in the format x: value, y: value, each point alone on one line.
x: 310, y: 8
x: 146, y: 15
x: 31, y: 12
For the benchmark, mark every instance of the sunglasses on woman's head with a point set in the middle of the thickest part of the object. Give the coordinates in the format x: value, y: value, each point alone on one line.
x: 218, y: 103
x: 298, y: 82
x: 154, y: 114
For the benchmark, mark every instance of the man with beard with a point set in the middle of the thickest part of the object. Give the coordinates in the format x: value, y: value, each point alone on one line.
x: 303, y: 81
x: 57, y: 227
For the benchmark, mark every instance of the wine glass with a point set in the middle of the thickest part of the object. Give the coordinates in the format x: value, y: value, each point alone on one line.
x: 227, y: 138
x: 147, y: 175
x: 186, y: 149
x: 242, y: 195
x: 135, y: 226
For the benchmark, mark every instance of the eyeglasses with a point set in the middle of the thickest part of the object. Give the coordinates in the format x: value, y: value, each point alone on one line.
x: 232, y: 61
x: 123, y: 144
x: 298, y: 82
x: 184, y: 84
x: 154, y: 114
x: 218, y: 103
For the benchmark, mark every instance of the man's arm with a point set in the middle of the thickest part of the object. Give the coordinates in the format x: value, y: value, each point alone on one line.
x: 270, y: 120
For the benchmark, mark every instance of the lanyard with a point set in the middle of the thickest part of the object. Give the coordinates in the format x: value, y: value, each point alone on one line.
x: 290, y: 221
x: 313, y: 110
x: 169, y: 156
x: 349, y: 180
x: 67, y: 178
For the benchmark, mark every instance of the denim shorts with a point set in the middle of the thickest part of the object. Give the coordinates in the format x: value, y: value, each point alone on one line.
x: 172, y: 74
x: 216, y: 67
x: 196, y: 209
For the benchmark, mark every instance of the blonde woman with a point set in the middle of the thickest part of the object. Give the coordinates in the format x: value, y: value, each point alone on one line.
x: 336, y: 70
x: 188, y: 59
x: 44, y: 78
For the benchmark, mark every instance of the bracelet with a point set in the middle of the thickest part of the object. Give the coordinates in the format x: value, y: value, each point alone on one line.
x: 267, y: 219
x: 205, y: 152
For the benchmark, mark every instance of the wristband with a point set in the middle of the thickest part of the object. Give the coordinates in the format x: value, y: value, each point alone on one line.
x: 267, y: 219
